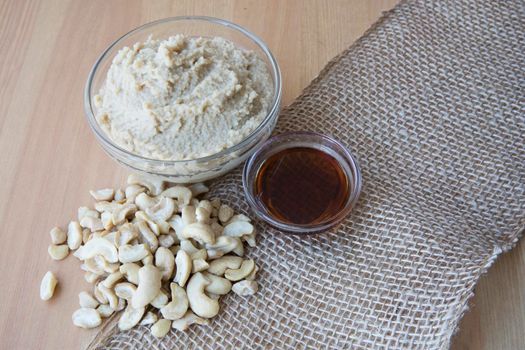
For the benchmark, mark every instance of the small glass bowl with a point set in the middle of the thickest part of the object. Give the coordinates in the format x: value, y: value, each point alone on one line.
x: 310, y: 140
x: 194, y: 170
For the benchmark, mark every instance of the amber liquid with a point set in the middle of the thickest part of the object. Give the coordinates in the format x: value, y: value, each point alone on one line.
x: 302, y: 186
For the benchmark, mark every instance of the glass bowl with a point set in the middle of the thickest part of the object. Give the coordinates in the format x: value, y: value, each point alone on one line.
x: 194, y: 170
x: 318, y: 141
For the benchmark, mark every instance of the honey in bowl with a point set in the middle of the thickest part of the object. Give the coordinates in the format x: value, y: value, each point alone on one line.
x: 302, y: 186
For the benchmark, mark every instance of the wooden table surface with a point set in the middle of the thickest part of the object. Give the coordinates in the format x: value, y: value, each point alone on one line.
x: 50, y: 159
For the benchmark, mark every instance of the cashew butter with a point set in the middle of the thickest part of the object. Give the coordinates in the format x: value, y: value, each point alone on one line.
x: 183, y: 97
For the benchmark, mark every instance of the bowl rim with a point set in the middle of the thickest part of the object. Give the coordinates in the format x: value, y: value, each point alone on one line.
x: 266, y: 150
x: 270, y: 115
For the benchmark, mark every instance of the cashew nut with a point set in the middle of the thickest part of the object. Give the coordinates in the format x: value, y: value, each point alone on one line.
x: 225, y: 213
x: 161, y: 211
x: 219, y: 266
x: 93, y: 224
x: 105, y: 310
x: 199, y: 265
x: 165, y: 261
x: 202, y: 215
x: 239, y: 217
x: 161, y: 328
x: 184, y: 266
x: 157, y: 228
x: 246, y: 268
x: 188, y: 246
x: 148, y: 260
x: 177, y: 224
x: 238, y: 228
x: 149, y: 318
x: 98, y: 246
x: 245, y: 288
x: 74, y: 235
x: 198, y: 188
x: 86, y: 318
x: 126, y: 233
x: 91, y: 277
x: 215, y: 203
x: 57, y: 235
x: 178, y: 305
x: 123, y: 212
x: 200, y: 303
x: 132, y: 191
x: 187, y: 320
x: 85, y: 211
x: 225, y: 245
x: 160, y: 300
x: 147, y: 235
x: 217, y: 229
x: 166, y: 241
x: 109, y: 295
x: 130, y: 317
x: 58, y: 252
x: 181, y: 193
x: 125, y: 290
x: 131, y: 272
x: 103, y: 206
x: 132, y: 253
x: 143, y: 201
x: 188, y: 215
x: 120, y: 196
x: 113, y: 278
x: 200, y: 232
x: 121, y: 304
x: 107, y: 220
x: 153, y: 184
x: 105, y: 194
x: 148, y: 288
x: 218, y: 285
x: 86, y: 300
x: 200, y: 254
x: 47, y: 286
x: 250, y: 239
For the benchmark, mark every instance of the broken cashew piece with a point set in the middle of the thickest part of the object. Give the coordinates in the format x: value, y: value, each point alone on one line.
x: 105, y: 194
x: 123, y: 212
x: 178, y: 305
x: 161, y: 211
x: 93, y: 224
x: 246, y: 268
x: 86, y: 318
x: 86, y: 300
x: 198, y: 188
x: 184, y: 267
x: 200, y: 232
x: 58, y: 252
x: 219, y: 266
x: 165, y: 262
x: 225, y: 213
x: 224, y: 245
x: 200, y: 303
x: 149, y: 318
x: 148, y: 288
x: 187, y: 320
x: 199, y: 265
x: 98, y: 246
x: 130, y: 318
x: 74, y: 235
x: 161, y: 328
x: 57, y: 236
x: 47, y: 286
x: 245, y: 288
x: 105, y: 310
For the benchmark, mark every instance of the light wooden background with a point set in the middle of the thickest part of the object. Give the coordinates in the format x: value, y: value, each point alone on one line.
x: 49, y: 159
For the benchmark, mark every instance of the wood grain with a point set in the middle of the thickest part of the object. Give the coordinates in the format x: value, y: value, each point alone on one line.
x: 50, y: 159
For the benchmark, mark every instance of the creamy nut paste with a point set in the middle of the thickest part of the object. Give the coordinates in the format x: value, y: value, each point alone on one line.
x: 183, y: 97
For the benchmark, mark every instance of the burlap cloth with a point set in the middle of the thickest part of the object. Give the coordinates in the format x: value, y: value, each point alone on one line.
x: 431, y: 102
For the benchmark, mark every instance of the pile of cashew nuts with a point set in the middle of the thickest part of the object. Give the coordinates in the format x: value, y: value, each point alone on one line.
x: 138, y: 243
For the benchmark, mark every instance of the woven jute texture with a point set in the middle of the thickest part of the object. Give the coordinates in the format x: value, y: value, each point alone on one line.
x: 431, y: 101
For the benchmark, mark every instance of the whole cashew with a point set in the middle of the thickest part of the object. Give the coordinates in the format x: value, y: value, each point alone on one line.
x: 218, y: 285
x: 178, y: 305
x: 181, y: 193
x: 165, y: 261
x: 98, y: 246
x: 154, y: 185
x: 218, y: 267
x: 200, y: 232
x: 200, y: 303
x: 246, y: 268
x: 148, y: 288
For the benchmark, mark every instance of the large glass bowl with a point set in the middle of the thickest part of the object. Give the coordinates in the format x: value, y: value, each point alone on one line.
x: 194, y: 170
